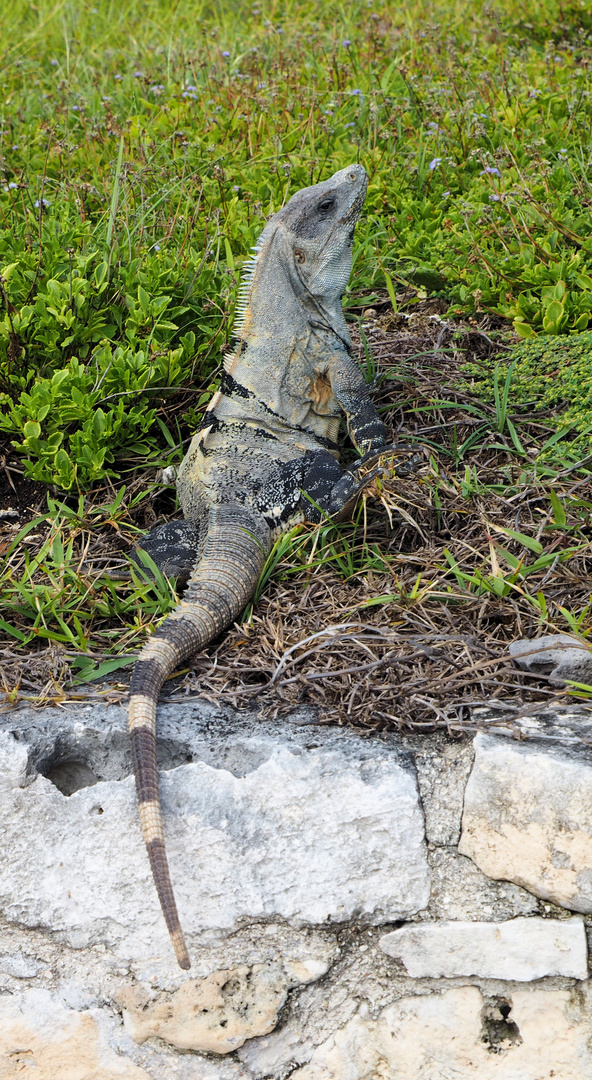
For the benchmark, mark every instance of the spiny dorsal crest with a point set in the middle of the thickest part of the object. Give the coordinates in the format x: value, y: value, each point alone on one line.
x: 248, y: 269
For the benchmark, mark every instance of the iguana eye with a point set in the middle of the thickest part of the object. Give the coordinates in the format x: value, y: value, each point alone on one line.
x: 299, y: 255
x: 325, y: 206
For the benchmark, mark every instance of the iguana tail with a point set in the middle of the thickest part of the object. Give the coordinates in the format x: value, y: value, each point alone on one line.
x: 219, y: 588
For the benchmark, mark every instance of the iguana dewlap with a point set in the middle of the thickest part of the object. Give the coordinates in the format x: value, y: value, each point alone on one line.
x: 269, y: 435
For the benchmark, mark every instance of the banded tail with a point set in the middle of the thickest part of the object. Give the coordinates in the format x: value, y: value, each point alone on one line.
x: 219, y: 588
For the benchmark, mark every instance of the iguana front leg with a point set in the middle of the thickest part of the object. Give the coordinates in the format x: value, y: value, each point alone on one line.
x: 365, y: 428
x: 329, y: 491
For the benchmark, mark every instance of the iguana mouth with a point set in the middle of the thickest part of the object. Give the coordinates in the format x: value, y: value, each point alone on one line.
x: 355, y: 208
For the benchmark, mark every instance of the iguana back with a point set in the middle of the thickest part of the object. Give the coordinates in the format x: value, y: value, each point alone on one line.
x: 267, y: 441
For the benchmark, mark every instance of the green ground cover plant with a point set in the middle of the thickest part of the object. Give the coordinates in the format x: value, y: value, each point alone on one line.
x: 143, y: 145
x: 546, y: 373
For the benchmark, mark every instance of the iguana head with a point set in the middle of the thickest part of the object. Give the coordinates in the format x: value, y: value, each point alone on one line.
x: 303, y: 258
x: 317, y: 230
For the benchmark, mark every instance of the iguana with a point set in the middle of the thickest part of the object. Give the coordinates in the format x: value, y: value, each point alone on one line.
x: 265, y: 456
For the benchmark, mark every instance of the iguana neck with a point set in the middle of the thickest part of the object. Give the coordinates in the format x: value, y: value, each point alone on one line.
x: 276, y: 316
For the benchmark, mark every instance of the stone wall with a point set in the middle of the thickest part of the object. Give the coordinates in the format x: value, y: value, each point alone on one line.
x: 356, y: 907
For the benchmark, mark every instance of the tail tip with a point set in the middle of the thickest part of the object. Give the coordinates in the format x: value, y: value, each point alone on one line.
x: 180, y: 950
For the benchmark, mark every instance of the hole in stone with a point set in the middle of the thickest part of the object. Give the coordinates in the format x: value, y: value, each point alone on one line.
x: 69, y: 776
x: 499, y: 1033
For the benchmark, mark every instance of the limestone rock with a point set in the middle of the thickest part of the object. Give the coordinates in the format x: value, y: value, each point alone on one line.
x: 519, y: 949
x: 442, y: 771
x: 532, y: 1035
x: 216, y: 1014
x: 461, y: 892
x: 272, y: 828
x: 41, y: 1038
x: 528, y: 819
x: 558, y: 655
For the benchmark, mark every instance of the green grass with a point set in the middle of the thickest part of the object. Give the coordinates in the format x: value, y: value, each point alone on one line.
x: 142, y: 146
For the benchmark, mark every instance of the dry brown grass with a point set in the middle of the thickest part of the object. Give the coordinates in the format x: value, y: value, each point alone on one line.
x: 375, y: 623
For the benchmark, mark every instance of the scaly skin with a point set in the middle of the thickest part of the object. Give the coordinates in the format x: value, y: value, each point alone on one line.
x: 269, y: 435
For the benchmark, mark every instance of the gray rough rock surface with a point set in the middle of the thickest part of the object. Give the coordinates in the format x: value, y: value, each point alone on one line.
x: 519, y: 949
x: 90, y: 998
x: 528, y: 818
x: 240, y: 830
x: 559, y: 656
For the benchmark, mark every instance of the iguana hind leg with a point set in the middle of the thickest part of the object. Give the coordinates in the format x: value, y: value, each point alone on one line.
x: 175, y: 547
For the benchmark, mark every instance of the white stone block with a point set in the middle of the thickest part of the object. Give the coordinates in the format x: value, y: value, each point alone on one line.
x: 41, y: 1038
x: 528, y: 819
x: 309, y: 836
x: 532, y: 1035
x: 519, y: 949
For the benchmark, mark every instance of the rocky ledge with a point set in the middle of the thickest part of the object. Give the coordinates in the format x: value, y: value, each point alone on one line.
x: 355, y: 906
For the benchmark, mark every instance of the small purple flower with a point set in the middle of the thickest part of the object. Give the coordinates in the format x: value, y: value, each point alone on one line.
x: 192, y: 90
x: 41, y: 204
x: 118, y: 78
x: 11, y: 186
x: 53, y: 63
x: 433, y: 125
x: 491, y: 169
x: 494, y: 198
x: 235, y: 187
x: 562, y: 153
x: 352, y: 124
x: 138, y: 74
x: 156, y: 89
x: 157, y: 247
x: 445, y: 194
x: 434, y: 163
x: 358, y: 93
x: 346, y: 43
x: 188, y: 94
x: 76, y: 108
x: 225, y: 53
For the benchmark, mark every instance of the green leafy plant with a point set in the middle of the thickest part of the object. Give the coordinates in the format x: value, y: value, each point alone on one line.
x: 135, y: 178
x: 547, y: 374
